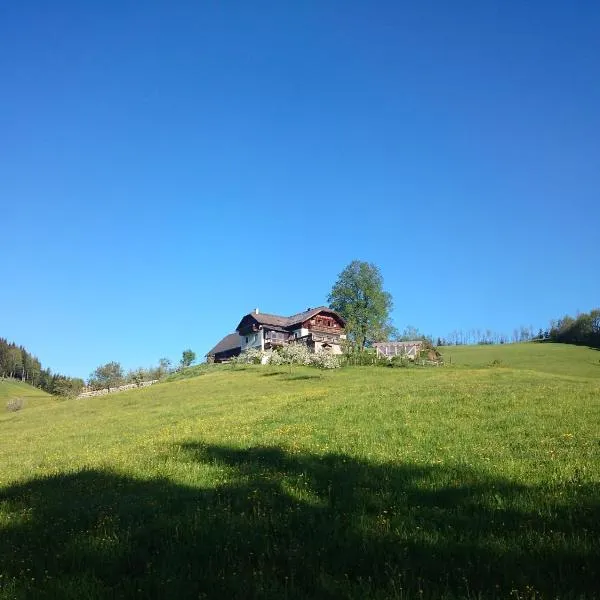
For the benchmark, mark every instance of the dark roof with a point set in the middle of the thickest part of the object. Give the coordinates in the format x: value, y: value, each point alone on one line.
x: 279, y: 321
x: 307, y: 314
x: 266, y: 319
x: 229, y: 342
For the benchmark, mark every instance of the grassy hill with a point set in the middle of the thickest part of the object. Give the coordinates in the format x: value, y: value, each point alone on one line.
x: 12, y: 388
x: 545, y: 357
x: 258, y: 482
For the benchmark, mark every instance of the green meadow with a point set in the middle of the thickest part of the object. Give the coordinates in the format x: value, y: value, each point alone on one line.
x: 545, y: 357
x: 478, y: 479
x: 10, y: 389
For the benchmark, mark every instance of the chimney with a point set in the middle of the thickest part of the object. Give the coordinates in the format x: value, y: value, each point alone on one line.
x: 256, y: 311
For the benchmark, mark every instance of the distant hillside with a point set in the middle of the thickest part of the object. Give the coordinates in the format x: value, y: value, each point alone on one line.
x: 548, y: 357
x: 17, y: 363
x: 11, y: 388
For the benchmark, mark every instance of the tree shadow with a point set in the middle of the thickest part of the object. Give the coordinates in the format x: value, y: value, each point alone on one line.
x: 277, y: 524
x: 302, y: 377
x: 287, y: 376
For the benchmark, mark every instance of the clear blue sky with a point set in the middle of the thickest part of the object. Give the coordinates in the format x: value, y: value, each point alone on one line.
x: 165, y: 167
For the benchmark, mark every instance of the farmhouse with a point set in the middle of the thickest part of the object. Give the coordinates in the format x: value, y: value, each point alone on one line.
x: 320, y: 329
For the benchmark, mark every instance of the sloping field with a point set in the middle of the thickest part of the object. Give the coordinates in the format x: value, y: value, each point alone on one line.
x: 546, y: 357
x: 261, y: 482
x: 11, y: 389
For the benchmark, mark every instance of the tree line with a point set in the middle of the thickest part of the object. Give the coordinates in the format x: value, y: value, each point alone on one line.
x: 111, y: 374
x: 18, y: 363
x: 460, y: 337
x: 584, y: 329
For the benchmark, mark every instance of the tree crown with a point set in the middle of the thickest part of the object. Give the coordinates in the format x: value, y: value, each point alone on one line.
x: 358, y: 295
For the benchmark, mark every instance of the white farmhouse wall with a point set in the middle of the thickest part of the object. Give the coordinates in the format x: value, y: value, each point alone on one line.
x: 255, y: 340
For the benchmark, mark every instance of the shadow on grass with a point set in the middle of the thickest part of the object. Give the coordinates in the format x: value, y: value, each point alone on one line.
x: 291, y: 376
x: 301, y: 377
x: 282, y: 525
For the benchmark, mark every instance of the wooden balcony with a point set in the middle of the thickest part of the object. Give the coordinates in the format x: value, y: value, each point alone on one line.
x: 325, y: 337
x: 277, y: 340
x: 324, y: 329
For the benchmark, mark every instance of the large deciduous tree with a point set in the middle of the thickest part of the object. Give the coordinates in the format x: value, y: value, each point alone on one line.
x: 358, y: 295
x: 107, y: 376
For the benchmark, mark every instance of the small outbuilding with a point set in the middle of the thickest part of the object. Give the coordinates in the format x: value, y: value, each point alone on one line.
x: 226, y: 349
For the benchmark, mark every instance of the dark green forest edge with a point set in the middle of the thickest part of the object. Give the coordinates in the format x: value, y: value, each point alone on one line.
x: 18, y: 363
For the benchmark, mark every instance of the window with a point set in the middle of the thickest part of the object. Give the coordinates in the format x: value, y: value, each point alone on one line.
x: 246, y: 339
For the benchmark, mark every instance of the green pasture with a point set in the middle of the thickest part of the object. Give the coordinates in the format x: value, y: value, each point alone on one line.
x: 546, y: 357
x: 462, y: 481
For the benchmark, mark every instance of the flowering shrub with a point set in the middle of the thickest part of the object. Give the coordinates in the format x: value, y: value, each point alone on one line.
x: 325, y: 360
x: 292, y: 354
x: 252, y: 356
x: 275, y: 359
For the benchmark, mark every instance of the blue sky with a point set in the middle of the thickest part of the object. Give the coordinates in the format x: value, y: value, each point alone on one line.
x: 165, y: 167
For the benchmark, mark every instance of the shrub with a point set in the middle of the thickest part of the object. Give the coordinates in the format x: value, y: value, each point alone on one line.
x: 290, y: 354
x: 252, y: 356
x: 398, y: 361
x: 276, y: 358
x: 15, y: 404
x: 361, y: 359
x: 325, y: 360
x: 293, y: 354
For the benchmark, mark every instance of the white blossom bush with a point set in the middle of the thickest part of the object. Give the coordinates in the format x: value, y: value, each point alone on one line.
x: 292, y: 354
x: 253, y: 356
x: 266, y: 356
x: 325, y: 360
x: 276, y: 359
